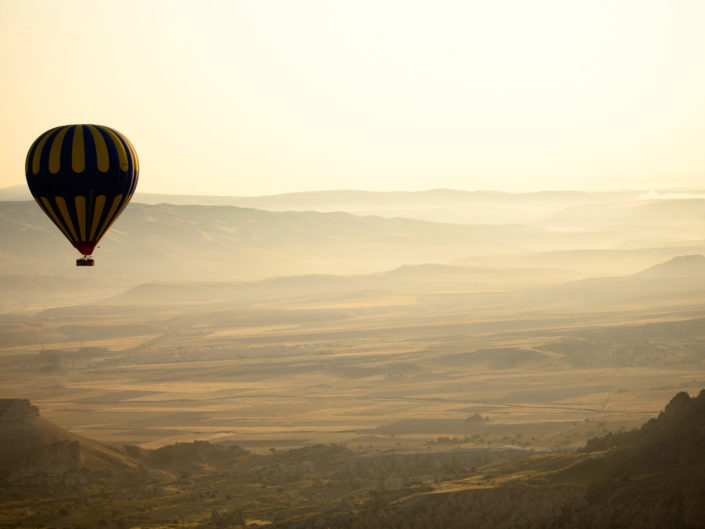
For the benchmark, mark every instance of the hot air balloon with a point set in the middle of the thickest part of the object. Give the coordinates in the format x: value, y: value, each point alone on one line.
x: 82, y: 176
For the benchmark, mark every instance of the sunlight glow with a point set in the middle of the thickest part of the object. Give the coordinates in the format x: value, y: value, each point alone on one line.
x: 272, y: 96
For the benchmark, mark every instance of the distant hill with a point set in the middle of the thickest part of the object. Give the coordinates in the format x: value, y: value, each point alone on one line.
x: 689, y: 213
x: 682, y: 266
x: 436, y: 205
x: 681, y: 279
x: 224, y: 242
x: 590, y: 262
x: 15, y: 193
x: 228, y: 243
x: 566, y: 210
x: 407, y: 279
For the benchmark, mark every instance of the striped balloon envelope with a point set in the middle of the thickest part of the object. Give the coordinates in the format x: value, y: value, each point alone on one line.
x: 82, y: 176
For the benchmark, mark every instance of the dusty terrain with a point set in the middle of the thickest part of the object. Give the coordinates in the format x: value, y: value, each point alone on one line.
x: 297, y: 362
x: 646, y: 477
x: 290, y: 368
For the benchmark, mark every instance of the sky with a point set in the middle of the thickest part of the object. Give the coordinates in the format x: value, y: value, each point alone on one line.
x: 263, y: 97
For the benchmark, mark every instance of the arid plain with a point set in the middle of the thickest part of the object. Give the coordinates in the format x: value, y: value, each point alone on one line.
x: 541, y: 335
x: 357, y: 360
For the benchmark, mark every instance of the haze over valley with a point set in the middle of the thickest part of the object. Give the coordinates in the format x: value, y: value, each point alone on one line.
x: 273, y: 338
x: 352, y: 265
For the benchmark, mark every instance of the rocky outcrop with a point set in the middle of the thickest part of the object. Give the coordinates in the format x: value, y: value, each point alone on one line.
x: 650, y: 478
x: 16, y: 410
x: 33, y: 450
x: 675, y: 437
x: 683, y: 416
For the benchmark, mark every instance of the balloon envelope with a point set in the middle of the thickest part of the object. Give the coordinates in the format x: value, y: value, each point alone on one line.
x: 82, y: 176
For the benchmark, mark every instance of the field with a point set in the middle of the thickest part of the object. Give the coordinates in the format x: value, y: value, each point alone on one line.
x: 434, y: 369
x: 307, y: 369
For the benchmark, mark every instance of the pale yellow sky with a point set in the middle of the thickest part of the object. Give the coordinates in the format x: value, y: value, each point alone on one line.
x: 262, y: 96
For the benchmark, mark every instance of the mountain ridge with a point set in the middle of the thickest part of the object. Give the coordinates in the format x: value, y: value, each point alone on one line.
x: 675, y: 276
x: 227, y: 242
x: 681, y: 266
x: 436, y: 205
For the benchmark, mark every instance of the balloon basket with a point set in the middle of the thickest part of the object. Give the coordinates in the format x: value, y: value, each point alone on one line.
x: 85, y: 261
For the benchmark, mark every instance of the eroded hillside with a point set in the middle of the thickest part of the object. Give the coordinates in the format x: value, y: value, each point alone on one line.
x: 201, y: 484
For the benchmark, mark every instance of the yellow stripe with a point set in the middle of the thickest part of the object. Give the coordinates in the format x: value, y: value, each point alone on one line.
x: 134, y: 153
x: 101, y: 150
x: 78, y: 151
x: 118, y: 213
x: 80, y: 202
x: 109, y: 217
x: 112, y: 220
x: 97, y: 212
x: 65, y: 214
x: 47, y: 207
x: 122, y: 155
x: 37, y: 158
x: 55, y: 153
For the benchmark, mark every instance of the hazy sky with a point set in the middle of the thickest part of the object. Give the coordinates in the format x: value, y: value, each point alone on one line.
x: 259, y: 97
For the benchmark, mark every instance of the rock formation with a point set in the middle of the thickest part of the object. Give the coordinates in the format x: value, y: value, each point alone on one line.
x: 649, y: 478
x: 16, y: 410
x: 33, y: 450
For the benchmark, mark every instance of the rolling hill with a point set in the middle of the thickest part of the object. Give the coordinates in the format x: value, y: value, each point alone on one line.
x: 436, y: 205
x: 164, y: 241
x: 676, y: 280
x: 601, y: 234
x: 681, y: 279
x: 590, y: 262
x: 407, y: 279
x: 656, y: 215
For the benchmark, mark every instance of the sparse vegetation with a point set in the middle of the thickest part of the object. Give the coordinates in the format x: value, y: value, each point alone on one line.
x: 303, y: 487
x: 378, y: 400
